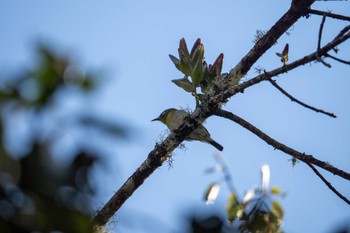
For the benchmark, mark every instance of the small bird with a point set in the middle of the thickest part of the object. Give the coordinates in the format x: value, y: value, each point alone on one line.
x: 173, y: 118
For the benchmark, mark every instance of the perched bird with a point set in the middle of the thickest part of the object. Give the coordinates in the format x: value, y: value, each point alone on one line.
x: 173, y: 118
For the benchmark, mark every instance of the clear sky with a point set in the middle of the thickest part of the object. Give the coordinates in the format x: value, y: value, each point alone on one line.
x: 130, y: 41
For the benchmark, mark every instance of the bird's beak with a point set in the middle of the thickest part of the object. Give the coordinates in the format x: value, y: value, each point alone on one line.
x: 155, y: 119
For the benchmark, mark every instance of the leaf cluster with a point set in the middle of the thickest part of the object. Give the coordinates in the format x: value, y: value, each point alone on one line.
x: 197, y: 73
x: 259, y: 214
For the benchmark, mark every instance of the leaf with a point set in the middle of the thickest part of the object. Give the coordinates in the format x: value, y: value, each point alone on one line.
x: 185, y: 63
x: 265, y: 177
x: 284, y: 54
x: 232, y: 208
x: 249, y: 195
x: 197, y: 73
x: 195, y: 45
x: 217, y: 66
x: 198, y: 55
x: 175, y: 61
x: 275, y: 190
x: 212, y: 193
x: 183, y: 48
x: 185, y: 84
x: 277, y: 209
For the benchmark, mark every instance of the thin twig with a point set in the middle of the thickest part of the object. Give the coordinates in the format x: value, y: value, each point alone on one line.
x: 319, y: 43
x: 329, y: 14
x: 274, y: 83
x: 338, y: 59
x: 279, y: 146
x: 329, y: 185
x: 320, y: 33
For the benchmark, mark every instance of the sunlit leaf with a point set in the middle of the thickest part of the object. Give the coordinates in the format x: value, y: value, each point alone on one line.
x: 198, y: 55
x: 195, y: 45
x: 212, y: 193
x: 233, y: 207
x: 197, y: 74
x: 249, y: 195
x: 284, y: 54
x: 265, y: 177
x: 275, y: 190
x: 277, y: 209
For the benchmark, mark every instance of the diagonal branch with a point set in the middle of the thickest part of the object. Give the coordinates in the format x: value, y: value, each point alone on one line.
x: 274, y: 83
x: 279, y: 146
x: 284, y: 69
x: 298, y: 9
x: 329, y: 185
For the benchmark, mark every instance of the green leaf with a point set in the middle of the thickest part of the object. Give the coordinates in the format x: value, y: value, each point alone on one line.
x: 275, y: 190
x: 185, y: 63
x: 233, y: 207
x: 197, y: 74
x: 277, y: 209
x: 175, y: 61
x: 198, y: 55
x: 183, y: 48
x: 185, y: 84
x: 195, y: 45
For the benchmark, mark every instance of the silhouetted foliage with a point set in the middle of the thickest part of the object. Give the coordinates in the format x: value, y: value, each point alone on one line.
x: 37, y: 193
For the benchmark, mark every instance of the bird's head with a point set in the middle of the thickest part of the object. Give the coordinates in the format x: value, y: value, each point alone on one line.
x: 163, y: 117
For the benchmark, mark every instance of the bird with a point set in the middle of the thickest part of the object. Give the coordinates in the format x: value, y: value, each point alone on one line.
x: 173, y: 118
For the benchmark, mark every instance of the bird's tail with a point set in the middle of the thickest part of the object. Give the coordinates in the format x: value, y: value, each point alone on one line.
x: 216, y: 145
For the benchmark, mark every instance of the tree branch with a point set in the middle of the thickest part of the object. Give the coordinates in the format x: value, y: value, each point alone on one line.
x: 338, y: 59
x: 223, y: 89
x: 274, y: 83
x: 319, y: 42
x: 279, y: 146
x: 329, y: 14
x: 329, y: 185
x: 283, y: 69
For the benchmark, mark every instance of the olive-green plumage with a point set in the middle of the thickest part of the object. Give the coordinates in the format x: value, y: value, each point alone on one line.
x: 173, y: 118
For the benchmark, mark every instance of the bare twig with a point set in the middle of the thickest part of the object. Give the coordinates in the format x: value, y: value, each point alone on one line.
x: 319, y: 43
x: 320, y: 32
x: 329, y: 185
x: 279, y: 146
x: 338, y: 59
x: 329, y: 14
x: 274, y: 83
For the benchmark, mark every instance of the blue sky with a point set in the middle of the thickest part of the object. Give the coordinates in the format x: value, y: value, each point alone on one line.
x: 130, y: 41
